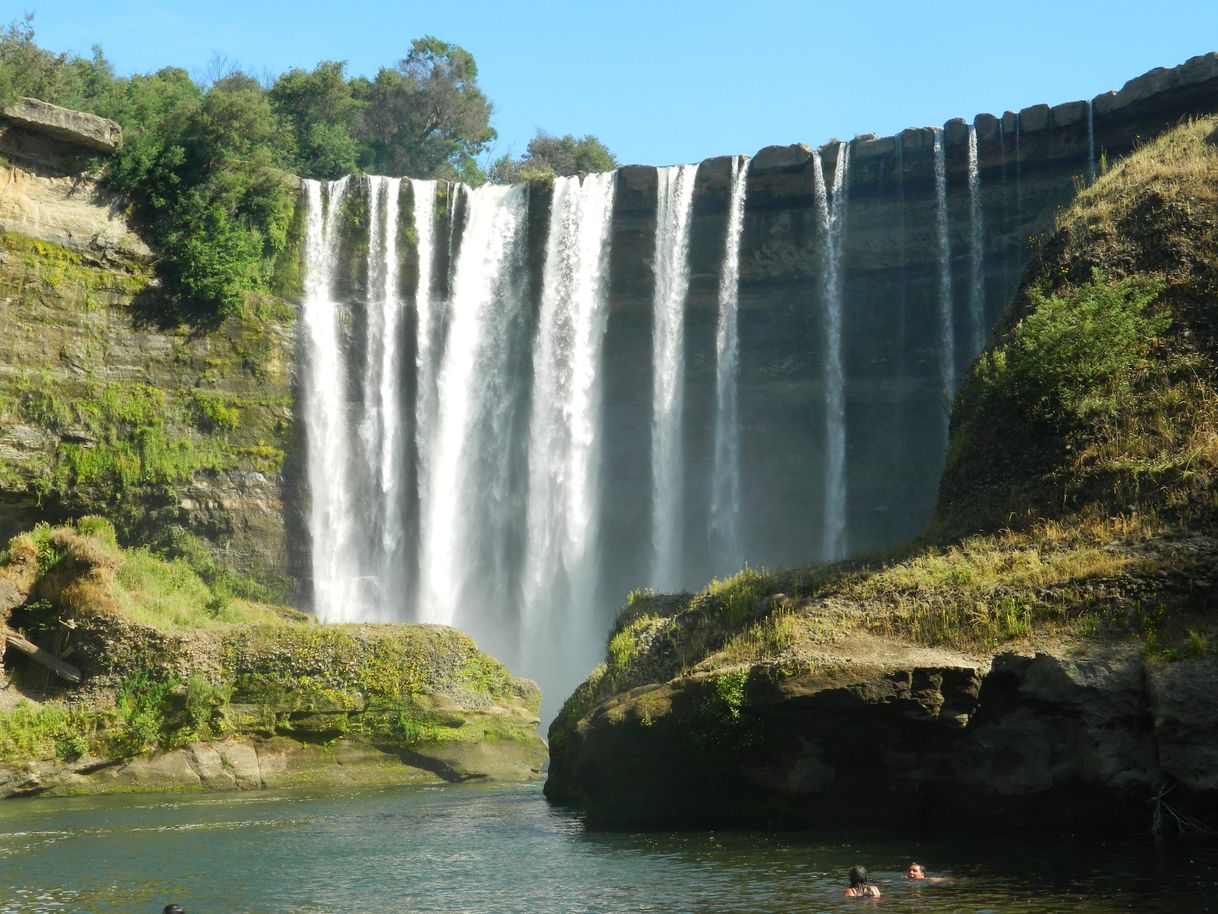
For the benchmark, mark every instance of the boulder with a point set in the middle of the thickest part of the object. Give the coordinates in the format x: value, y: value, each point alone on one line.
x: 66, y: 125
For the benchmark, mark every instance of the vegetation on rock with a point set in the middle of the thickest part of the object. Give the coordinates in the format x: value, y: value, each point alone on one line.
x: 549, y: 156
x: 170, y: 658
x: 206, y: 165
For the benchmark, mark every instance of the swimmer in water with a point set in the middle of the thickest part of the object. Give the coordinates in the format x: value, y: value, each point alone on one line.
x: 918, y: 871
x: 860, y: 885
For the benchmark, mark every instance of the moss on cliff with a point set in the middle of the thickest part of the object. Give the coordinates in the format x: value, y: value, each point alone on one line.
x: 102, y: 413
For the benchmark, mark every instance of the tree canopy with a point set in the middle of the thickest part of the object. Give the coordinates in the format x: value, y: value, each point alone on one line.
x: 202, y: 161
x: 550, y: 156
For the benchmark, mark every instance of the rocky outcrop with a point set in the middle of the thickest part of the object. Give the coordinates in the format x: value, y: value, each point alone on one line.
x: 292, y: 704
x: 1045, y: 740
x: 88, y: 340
x: 75, y: 128
x: 71, y: 212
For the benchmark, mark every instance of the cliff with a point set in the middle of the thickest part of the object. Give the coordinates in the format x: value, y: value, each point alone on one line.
x: 207, y: 439
x: 110, y: 408
x: 182, y: 687
x: 1045, y: 652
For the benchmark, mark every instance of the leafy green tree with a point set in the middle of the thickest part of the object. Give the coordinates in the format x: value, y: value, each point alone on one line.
x: 322, y: 111
x: 25, y: 68
x: 204, y: 180
x: 426, y: 117
x: 548, y: 156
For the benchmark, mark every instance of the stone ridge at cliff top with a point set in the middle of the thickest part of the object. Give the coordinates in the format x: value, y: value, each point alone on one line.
x: 1045, y: 652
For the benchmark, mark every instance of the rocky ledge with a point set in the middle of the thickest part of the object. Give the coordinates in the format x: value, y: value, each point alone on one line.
x: 162, y: 682
x: 908, y: 738
x: 74, y: 127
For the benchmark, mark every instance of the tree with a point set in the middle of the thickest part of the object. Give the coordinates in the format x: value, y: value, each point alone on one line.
x: 321, y: 108
x: 549, y: 156
x: 426, y: 117
x: 25, y: 68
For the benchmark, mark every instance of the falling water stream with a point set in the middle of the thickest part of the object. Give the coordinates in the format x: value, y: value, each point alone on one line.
x: 832, y: 214
x: 674, y: 204
x: 562, y: 562
x: 947, y: 326
x: 726, y: 555
x: 976, y: 298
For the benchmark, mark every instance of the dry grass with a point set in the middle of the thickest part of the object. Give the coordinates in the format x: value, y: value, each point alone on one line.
x: 82, y: 569
x: 1180, y: 163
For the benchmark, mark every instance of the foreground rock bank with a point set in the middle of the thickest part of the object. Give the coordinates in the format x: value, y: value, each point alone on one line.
x: 163, y: 682
x: 1103, y: 740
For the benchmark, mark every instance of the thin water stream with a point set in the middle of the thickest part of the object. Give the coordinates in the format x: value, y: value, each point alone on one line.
x: 504, y: 849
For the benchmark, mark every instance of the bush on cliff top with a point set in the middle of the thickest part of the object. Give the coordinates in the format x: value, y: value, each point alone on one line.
x: 204, y: 164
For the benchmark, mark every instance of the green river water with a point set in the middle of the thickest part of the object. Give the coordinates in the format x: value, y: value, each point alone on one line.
x: 504, y: 849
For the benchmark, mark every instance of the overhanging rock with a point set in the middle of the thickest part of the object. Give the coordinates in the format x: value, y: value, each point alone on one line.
x: 75, y: 127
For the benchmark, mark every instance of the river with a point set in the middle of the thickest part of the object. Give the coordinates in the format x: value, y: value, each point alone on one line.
x: 503, y: 849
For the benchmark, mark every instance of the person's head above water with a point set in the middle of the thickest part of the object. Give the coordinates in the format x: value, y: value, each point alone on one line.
x: 172, y: 909
x: 858, y: 876
x: 916, y: 871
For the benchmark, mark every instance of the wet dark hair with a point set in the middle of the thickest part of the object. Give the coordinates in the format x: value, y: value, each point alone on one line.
x: 858, y: 876
x: 172, y: 909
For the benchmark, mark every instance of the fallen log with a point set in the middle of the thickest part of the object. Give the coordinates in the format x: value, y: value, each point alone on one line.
x: 59, y: 667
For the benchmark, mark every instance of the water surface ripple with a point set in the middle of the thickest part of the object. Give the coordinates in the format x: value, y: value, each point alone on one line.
x: 503, y: 849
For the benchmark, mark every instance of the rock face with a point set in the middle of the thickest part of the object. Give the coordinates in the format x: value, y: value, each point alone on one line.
x: 1014, y: 741
x: 289, y: 705
x: 68, y: 212
x: 85, y: 346
x: 248, y: 499
x: 73, y: 127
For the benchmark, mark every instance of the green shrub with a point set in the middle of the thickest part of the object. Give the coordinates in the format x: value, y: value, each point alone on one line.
x: 99, y: 528
x: 1076, y: 354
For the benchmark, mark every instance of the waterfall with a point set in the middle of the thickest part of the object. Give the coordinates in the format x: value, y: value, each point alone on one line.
x: 381, y: 425
x: 674, y: 203
x: 832, y: 216
x: 337, y: 588
x: 560, y: 594
x: 1018, y: 177
x: 1091, y: 165
x: 726, y: 554
x: 426, y: 403
x: 468, y: 510
x: 976, y: 249
x: 947, y: 329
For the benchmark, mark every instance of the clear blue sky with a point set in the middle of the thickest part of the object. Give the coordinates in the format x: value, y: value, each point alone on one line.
x: 673, y: 81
